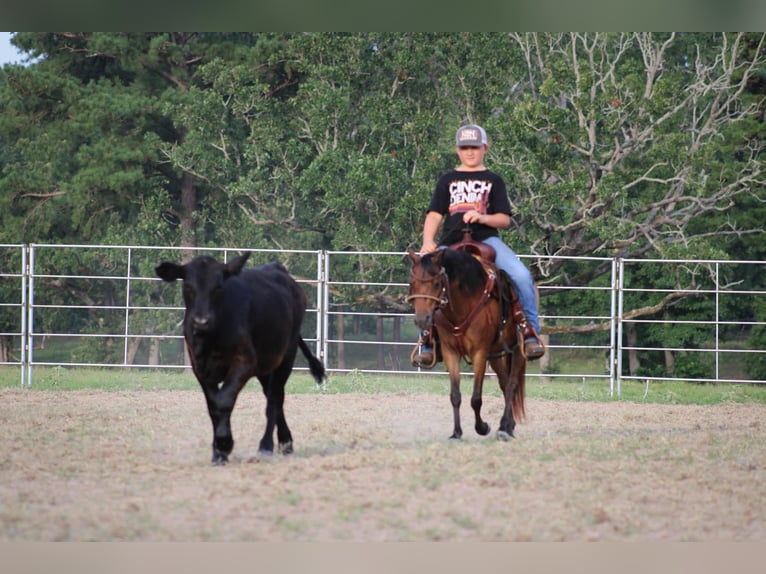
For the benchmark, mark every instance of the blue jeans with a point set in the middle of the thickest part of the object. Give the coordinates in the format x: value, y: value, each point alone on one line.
x: 507, y: 260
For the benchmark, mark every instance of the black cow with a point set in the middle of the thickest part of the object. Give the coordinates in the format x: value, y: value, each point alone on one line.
x: 242, y: 324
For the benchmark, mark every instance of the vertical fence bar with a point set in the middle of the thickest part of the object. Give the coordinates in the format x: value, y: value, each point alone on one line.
x: 321, y: 315
x: 24, y: 294
x: 717, y: 321
x: 325, y: 307
x: 620, y: 307
x: 30, y: 313
x: 613, y: 329
x: 127, y: 310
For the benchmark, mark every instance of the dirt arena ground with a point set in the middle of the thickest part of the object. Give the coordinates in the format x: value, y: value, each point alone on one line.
x: 134, y: 466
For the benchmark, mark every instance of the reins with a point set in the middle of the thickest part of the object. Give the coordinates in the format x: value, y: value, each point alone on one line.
x: 458, y: 331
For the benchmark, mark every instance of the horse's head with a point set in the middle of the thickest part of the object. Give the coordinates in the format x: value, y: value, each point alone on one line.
x: 428, y: 286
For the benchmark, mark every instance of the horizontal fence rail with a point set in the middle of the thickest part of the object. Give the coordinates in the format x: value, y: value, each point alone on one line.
x: 103, y: 306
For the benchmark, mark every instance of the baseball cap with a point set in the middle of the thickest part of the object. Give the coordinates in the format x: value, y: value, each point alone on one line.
x: 470, y: 135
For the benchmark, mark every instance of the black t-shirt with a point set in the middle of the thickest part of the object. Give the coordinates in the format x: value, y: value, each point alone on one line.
x: 459, y: 191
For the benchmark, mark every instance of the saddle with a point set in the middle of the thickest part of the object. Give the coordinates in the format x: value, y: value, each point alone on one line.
x: 481, y: 251
x: 502, y: 288
x: 510, y: 306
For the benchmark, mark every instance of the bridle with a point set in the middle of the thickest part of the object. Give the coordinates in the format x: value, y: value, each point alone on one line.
x: 443, y: 286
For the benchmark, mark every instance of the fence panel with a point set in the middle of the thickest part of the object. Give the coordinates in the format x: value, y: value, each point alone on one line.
x: 13, y: 292
x: 103, y: 306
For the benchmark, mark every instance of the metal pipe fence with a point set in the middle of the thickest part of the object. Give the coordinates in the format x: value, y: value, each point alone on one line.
x: 102, y: 306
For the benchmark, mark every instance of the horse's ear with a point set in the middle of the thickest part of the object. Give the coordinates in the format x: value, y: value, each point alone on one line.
x: 414, y: 257
x: 437, y: 256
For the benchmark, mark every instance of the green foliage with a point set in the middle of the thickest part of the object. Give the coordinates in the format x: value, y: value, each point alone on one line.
x: 614, y: 144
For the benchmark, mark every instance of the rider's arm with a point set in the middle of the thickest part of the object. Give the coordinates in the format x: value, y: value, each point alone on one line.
x: 430, y: 228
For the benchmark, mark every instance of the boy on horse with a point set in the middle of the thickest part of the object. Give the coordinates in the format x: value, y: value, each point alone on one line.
x: 471, y: 195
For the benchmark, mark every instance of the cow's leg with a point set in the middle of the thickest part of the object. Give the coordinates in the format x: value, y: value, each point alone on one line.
x: 211, y: 391
x: 274, y: 389
x: 220, y: 408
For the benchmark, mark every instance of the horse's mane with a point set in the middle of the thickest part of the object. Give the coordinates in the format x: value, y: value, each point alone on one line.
x: 460, y: 266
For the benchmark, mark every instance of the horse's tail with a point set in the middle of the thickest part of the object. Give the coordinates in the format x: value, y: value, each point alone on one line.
x: 315, y: 365
x: 519, y: 376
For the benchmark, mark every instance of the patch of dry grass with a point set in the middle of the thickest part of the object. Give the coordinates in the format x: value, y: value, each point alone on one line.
x: 94, y: 465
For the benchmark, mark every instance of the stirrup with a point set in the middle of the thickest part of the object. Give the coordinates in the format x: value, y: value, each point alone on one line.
x: 417, y: 354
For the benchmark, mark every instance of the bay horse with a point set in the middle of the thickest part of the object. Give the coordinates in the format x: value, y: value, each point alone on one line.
x: 463, y: 297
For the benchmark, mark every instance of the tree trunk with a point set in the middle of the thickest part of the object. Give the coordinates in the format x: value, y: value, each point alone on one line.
x: 380, y: 334
x: 341, y: 334
x: 188, y: 223
x: 545, y: 360
x: 670, y: 362
x: 397, y: 334
x: 632, y: 338
x: 154, y: 352
x: 5, y: 349
x: 133, y: 346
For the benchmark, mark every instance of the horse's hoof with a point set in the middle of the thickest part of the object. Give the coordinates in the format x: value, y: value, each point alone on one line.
x: 483, y: 429
x: 455, y: 436
x: 286, y: 448
x: 502, y: 435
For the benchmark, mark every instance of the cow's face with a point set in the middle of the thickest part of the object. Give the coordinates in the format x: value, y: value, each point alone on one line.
x: 203, y: 283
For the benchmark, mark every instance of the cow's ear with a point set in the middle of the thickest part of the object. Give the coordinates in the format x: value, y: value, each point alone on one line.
x: 170, y: 271
x: 234, y: 266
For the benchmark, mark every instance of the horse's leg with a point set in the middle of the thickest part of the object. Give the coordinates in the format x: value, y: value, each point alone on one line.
x: 501, y: 367
x: 452, y: 362
x: 479, y: 369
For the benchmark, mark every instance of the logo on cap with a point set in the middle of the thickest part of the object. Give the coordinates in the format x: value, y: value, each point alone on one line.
x: 471, y: 136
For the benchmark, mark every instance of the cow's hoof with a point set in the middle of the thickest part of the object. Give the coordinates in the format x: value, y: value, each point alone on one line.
x: 286, y: 448
x: 265, y: 455
x: 502, y: 435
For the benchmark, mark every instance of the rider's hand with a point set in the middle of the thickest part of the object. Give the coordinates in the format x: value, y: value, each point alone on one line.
x: 429, y: 246
x: 472, y: 216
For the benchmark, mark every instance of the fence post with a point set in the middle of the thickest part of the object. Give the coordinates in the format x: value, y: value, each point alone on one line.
x: 613, y: 329
x: 29, y: 338
x: 620, y: 309
x: 320, y: 320
x: 126, y: 341
x: 324, y: 271
x: 24, y: 296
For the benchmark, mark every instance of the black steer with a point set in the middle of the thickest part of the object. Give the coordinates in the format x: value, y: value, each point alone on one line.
x: 242, y: 324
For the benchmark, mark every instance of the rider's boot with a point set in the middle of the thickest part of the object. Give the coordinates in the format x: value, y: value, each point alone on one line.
x: 424, y: 355
x: 533, y: 344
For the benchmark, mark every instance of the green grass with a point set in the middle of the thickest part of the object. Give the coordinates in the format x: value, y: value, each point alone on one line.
x: 664, y: 392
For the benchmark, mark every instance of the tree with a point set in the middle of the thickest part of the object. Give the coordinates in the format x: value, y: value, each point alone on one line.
x: 629, y: 145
